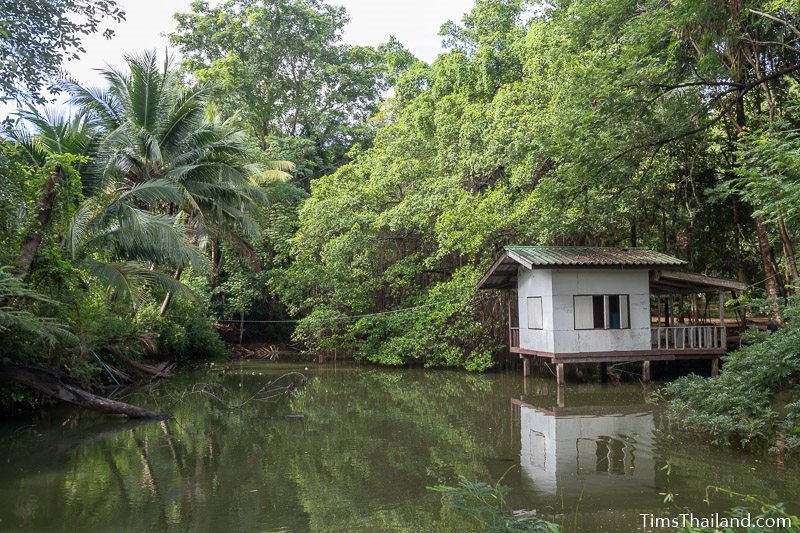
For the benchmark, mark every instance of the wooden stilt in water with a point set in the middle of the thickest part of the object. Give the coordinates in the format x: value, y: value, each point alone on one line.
x: 526, y: 366
x: 646, y: 371
x: 560, y: 374
x: 714, y: 367
x: 723, y: 331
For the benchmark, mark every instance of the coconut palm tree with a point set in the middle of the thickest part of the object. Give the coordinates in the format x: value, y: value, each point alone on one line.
x: 116, y: 234
x: 154, y: 129
x: 152, y: 126
x: 164, y: 175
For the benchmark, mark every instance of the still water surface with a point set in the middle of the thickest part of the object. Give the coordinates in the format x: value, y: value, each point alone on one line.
x: 590, y: 456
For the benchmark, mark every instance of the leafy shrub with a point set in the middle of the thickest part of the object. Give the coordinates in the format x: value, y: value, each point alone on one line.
x: 486, y: 503
x: 748, y: 401
x: 185, y: 331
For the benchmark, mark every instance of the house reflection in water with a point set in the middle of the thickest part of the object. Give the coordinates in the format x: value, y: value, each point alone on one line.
x: 585, y: 450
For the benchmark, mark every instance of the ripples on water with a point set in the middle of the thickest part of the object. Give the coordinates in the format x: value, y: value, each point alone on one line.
x: 589, y: 456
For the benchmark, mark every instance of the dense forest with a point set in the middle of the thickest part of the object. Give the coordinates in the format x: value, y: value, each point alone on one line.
x: 276, y: 173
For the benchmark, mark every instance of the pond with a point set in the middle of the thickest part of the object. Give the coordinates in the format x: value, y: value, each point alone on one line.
x: 590, y: 456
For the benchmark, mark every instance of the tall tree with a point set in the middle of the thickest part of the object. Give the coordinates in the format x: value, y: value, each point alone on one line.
x: 36, y: 37
x: 281, y: 65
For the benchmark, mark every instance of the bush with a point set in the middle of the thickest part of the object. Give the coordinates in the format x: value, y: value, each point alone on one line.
x: 184, y: 332
x: 755, y: 399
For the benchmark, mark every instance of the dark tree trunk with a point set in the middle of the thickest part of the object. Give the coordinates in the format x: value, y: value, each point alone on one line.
x: 788, y: 252
x: 771, y: 283
x: 737, y: 246
x: 741, y: 120
x: 51, y: 383
x: 216, y: 263
x: 44, y: 213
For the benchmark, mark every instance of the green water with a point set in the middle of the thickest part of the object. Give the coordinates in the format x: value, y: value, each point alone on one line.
x: 589, y: 456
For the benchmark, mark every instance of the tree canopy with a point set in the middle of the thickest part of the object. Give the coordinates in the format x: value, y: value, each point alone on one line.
x: 37, y: 37
x: 282, y: 67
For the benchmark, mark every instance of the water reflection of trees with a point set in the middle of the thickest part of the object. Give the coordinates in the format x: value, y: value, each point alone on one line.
x: 371, y: 443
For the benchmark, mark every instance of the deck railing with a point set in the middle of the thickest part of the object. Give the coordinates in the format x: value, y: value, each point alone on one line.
x: 513, y: 337
x: 688, y: 337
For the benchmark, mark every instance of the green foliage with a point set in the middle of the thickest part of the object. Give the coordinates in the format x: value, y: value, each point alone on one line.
x: 303, y: 94
x: 36, y: 37
x: 184, y: 332
x: 756, y: 508
x: 754, y: 399
x: 486, y: 504
x: 584, y: 122
x: 19, y: 319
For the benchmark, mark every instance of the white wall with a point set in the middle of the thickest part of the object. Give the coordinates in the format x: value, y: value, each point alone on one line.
x: 557, y: 288
x: 535, y: 283
x: 568, y: 283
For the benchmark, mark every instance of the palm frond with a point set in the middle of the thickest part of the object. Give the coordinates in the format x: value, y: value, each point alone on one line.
x: 128, y: 279
x: 15, y: 314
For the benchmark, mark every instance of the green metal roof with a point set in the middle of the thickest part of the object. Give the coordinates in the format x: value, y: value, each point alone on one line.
x: 588, y: 256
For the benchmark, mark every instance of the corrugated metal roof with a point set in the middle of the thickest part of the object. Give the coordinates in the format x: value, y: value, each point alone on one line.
x: 547, y: 256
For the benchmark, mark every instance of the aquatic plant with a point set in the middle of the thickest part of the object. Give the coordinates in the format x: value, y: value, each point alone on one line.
x: 486, y: 503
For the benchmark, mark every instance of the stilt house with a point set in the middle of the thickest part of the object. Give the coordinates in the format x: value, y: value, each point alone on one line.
x: 587, y: 304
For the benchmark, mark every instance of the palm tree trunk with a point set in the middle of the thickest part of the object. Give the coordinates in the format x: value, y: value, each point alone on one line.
x: 216, y: 263
x: 44, y: 207
x: 168, y: 297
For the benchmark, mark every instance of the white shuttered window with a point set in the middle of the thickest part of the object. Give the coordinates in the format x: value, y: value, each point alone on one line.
x: 534, y: 312
x: 584, y: 318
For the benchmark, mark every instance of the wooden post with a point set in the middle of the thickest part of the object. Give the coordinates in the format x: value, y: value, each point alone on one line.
x: 241, y: 326
x: 646, y: 371
x: 509, y: 320
x: 560, y: 374
x: 526, y: 366
x: 723, y: 342
x: 714, y: 366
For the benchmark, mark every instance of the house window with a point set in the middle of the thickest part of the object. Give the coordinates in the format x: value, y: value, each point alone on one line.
x: 602, y: 311
x: 534, y: 312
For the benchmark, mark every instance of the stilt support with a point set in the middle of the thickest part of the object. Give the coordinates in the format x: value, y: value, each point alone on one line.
x: 714, y: 367
x: 526, y: 366
x: 560, y: 374
x: 646, y: 371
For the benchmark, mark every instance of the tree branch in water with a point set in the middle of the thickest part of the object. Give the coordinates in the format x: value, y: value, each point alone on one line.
x: 51, y: 383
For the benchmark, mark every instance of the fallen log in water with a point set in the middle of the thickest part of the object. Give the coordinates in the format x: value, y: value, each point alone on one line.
x: 51, y: 382
x: 163, y: 369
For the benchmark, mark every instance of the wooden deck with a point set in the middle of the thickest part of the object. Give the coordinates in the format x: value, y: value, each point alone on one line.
x: 668, y: 344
